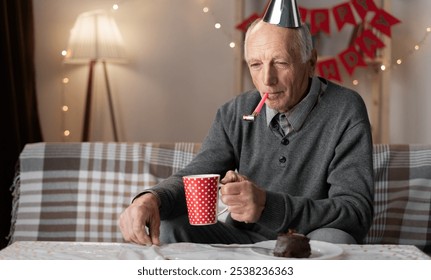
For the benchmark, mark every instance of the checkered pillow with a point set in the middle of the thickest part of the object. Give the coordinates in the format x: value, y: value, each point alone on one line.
x: 76, y: 191
x: 402, y: 195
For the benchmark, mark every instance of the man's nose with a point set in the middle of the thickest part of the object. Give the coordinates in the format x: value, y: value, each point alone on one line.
x: 269, y: 76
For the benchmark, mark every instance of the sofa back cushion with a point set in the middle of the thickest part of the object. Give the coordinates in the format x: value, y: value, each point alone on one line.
x: 402, y: 196
x: 76, y: 191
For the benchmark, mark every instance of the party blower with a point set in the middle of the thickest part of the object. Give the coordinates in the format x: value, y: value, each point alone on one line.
x: 257, y: 110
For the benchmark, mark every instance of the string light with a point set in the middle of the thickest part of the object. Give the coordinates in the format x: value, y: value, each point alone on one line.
x: 206, y: 9
x: 401, y: 60
x: 65, y: 80
x: 416, y: 47
x: 64, y: 108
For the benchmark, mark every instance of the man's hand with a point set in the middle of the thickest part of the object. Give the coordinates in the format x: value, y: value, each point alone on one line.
x: 245, y: 200
x: 144, y: 211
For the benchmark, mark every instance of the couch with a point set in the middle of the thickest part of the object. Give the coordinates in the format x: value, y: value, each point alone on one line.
x: 76, y: 191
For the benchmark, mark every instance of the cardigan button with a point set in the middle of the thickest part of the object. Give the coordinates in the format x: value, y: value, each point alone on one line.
x: 285, y: 141
x: 282, y: 159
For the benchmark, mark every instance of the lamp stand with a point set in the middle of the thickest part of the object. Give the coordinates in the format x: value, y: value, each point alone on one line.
x: 111, y: 104
x: 88, y: 102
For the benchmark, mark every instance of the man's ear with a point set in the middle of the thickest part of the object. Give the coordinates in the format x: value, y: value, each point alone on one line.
x: 312, y: 63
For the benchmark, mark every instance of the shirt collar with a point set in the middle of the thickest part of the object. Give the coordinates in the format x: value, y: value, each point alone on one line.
x: 298, y: 114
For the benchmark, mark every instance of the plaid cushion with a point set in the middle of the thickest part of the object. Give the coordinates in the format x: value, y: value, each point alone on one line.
x: 76, y: 191
x: 402, y: 195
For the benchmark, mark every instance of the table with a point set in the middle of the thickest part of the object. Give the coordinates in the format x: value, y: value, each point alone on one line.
x: 49, y: 250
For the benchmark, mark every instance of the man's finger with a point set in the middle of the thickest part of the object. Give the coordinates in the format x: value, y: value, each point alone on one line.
x: 231, y: 176
x: 140, y: 235
x: 155, y: 231
x: 230, y: 189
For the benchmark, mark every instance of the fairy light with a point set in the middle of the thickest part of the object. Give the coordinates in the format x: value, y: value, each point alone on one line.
x: 217, y: 25
x: 64, y: 107
x: 416, y: 47
x: 401, y: 59
x: 115, y: 7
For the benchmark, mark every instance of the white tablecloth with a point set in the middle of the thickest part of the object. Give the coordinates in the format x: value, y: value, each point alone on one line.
x: 44, y: 250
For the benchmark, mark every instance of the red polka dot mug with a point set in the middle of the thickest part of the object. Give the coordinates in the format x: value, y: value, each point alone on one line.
x: 202, y: 194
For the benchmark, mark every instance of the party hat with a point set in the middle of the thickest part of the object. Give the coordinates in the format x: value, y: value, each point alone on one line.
x: 283, y: 13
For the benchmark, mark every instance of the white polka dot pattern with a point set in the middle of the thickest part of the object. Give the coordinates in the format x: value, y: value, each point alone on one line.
x: 201, y: 197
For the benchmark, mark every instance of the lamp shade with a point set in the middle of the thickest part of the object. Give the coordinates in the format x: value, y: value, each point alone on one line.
x: 95, y: 36
x: 283, y: 13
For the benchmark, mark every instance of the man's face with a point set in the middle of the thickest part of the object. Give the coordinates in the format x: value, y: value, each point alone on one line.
x: 276, y: 66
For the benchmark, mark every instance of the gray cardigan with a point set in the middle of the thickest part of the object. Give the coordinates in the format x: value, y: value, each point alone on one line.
x: 320, y: 175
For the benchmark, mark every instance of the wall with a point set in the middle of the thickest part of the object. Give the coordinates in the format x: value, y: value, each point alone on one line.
x: 180, y: 69
x: 411, y: 84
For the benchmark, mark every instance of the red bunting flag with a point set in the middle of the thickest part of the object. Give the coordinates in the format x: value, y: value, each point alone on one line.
x: 383, y: 21
x: 319, y: 21
x: 351, y: 59
x: 343, y: 14
x: 243, y: 26
x: 328, y: 69
x: 364, y: 6
x: 303, y: 12
x: 369, y: 43
x: 362, y: 41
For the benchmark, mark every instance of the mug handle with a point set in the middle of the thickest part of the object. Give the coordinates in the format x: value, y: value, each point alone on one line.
x: 226, y: 208
x: 223, y: 211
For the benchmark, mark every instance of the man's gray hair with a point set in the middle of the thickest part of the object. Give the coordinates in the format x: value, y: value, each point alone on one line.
x: 302, y: 41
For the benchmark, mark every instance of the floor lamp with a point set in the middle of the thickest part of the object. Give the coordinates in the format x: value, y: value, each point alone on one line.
x: 95, y: 38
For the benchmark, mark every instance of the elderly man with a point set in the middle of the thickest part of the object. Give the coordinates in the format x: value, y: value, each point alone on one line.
x: 305, y: 163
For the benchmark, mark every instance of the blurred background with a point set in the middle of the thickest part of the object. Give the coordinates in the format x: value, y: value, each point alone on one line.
x: 178, y: 61
x: 180, y: 68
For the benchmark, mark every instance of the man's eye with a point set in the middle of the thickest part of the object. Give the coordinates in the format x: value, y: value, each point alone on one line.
x: 281, y: 64
x: 254, y: 65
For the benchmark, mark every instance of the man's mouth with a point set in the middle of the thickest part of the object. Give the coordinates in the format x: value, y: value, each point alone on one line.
x: 272, y: 95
